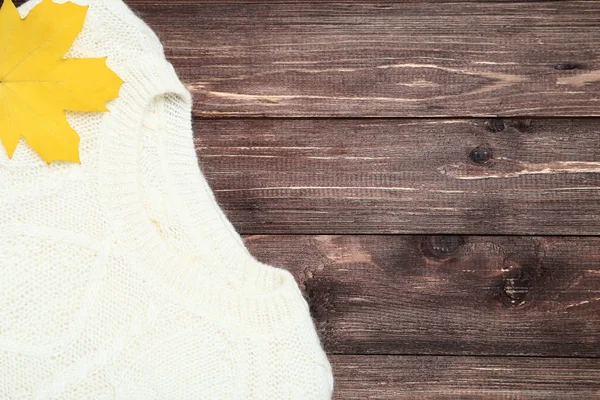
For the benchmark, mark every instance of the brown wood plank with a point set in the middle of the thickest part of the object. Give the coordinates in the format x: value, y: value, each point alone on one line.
x: 466, y: 378
x: 340, y: 59
x: 405, y: 176
x: 454, y: 295
x: 381, y: 3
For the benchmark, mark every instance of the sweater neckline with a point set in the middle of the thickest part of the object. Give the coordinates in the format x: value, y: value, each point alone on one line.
x: 230, y: 283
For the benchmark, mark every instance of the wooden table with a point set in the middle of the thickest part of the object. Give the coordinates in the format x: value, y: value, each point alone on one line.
x: 429, y: 171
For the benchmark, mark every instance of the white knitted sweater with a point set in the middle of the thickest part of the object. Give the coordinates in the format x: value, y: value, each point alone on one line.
x: 121, y: 277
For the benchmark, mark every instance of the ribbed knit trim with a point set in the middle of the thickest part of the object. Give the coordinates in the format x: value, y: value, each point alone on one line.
x: 238, y: 286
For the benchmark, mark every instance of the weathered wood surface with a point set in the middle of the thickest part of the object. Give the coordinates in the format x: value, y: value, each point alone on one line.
x: 465, y: 378
x: 405, y: 176
x: 393, y: 59
x: 374, y: 3
x: 452, y: 295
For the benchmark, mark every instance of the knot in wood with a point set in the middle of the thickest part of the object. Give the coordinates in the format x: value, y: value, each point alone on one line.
x: 480, y: 155
x: 441, y: 246
x: 566, y: 66
x: 515, y: 291
x: 496, y: 125
x: 517, y: 286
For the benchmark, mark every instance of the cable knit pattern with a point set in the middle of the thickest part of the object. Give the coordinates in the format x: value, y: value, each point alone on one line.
x: 121, y: 277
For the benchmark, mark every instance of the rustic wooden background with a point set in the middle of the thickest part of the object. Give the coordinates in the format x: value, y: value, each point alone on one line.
x: 428, y: 170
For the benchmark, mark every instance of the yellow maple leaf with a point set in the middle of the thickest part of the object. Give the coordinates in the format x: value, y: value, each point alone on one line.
x: 37, y: 85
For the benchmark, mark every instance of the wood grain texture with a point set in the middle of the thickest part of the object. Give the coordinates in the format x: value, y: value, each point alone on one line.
x: 382, y: 3
x: 355, y: 176
x: 465, y: 378
x: 341, y: 59
x: 448, y: 295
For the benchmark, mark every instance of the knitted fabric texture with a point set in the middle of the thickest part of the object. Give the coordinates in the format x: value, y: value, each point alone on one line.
x: 121, y: 277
